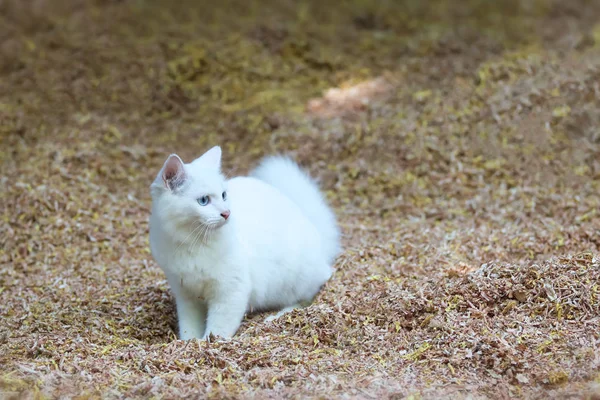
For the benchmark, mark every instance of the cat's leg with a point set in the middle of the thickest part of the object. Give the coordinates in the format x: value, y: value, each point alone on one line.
x: 225, y: 312
x: 191, y: 314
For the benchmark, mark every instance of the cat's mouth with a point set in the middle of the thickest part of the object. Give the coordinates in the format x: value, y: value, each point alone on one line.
x: 218, y: 224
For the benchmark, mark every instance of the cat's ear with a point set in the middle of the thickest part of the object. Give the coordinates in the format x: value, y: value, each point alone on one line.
x: 213, y: 157
x: 173, y: 174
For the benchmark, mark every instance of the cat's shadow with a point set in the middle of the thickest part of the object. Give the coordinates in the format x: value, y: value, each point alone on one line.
x: 150, y: 316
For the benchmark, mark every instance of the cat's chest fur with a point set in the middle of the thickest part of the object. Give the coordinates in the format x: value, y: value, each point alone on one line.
x: 199, y: 271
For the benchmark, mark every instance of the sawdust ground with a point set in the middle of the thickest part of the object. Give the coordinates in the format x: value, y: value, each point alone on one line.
x: 459, y: 147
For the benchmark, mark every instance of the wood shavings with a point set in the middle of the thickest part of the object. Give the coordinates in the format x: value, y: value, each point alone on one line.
x: 458, y: 146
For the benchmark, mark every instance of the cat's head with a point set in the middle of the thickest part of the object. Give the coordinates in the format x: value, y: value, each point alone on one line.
x: 190, y: 199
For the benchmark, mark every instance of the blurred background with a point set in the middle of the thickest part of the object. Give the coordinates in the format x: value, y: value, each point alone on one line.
x: 447, y: 135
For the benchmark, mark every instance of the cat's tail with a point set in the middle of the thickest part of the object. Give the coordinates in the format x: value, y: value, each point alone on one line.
x: 285, y: 175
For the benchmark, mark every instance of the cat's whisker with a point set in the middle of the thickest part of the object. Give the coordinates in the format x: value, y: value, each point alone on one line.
x: 199, y: 237
x: 207, y: 233
x: 202, y: 234
x: 192, y: 244
x: 188, y: 236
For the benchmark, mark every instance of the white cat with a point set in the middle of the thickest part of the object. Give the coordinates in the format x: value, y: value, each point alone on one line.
x: 229, y: 246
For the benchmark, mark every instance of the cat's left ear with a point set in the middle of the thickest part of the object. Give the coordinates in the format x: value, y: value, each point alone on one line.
x: 173, y: 173
x: 213, y: 157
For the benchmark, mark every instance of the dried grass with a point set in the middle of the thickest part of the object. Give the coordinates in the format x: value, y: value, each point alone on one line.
x: 468, y: 195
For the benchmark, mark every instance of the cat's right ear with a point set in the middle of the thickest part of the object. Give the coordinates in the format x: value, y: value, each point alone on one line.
x: 173, y: 173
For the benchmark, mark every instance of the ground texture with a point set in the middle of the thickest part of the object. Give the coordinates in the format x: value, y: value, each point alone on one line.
x: 458, y: 142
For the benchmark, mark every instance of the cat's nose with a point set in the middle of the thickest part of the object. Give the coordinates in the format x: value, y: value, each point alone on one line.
x: 225, y: 214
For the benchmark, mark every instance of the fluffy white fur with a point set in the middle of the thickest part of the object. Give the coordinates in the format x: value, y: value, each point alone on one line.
x: 274, y: 250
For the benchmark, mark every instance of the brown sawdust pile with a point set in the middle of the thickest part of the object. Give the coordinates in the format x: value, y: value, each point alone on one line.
x: 465, y: 173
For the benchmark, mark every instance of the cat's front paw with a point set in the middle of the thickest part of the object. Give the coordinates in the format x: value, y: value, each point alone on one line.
x: 185, y: 336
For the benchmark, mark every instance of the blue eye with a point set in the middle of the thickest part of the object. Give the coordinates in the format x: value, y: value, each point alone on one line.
x: 204, y: 200
x: 224, y: 195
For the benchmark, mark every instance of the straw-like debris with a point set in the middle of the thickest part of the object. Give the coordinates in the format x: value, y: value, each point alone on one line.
x: 349, y: 100
x: 467, y: 185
